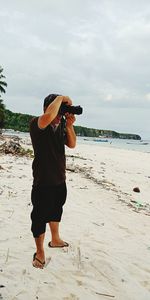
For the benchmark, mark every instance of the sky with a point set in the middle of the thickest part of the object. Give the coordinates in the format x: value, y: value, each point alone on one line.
x: 95, y: 51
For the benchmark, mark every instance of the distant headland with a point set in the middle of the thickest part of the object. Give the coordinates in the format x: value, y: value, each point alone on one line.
x: 20, y: 122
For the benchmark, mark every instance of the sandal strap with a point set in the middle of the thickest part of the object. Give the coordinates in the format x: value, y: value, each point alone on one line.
x: 35, y: 258
x: 42, y: 263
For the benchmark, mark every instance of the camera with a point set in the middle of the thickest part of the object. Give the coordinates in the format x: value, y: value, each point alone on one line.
x: 75, y: 110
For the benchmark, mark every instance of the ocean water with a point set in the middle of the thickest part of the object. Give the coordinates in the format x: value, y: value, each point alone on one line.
x: 135, y: 145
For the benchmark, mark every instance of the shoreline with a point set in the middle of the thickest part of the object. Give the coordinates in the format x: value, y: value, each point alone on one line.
x: 127, y: 144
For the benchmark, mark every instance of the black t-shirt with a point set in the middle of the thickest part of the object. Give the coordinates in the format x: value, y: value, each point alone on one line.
x: 49, y: 164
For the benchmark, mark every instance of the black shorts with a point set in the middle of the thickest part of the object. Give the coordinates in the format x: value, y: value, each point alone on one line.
x: 48, y: 204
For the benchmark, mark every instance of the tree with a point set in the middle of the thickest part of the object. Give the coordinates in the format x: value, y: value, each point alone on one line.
x: 3, y: 84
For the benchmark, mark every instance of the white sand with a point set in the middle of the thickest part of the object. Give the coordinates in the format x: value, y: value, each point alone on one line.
x: 105, y: 222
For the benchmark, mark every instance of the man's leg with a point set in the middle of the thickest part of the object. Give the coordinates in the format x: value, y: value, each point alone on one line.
x: 56, y: 240
x: 40, y: 256
x: 38, y: 226
x: 60, y: 194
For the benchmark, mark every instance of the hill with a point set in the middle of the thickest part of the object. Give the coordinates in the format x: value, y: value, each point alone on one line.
x: 20, y: 122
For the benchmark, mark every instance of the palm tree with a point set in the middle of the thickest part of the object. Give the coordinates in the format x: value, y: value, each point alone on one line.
x: 2, y: 106
x: 2, y: 82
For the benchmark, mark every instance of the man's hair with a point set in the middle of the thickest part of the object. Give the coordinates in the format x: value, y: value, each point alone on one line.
x: 49, y: 99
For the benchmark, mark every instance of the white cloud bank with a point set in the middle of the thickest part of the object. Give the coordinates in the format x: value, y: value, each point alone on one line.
x: 97, y: 52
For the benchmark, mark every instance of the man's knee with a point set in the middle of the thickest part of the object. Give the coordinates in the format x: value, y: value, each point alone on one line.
x: 38, y: 229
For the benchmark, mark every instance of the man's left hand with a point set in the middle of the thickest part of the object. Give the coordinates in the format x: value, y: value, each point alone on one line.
x: 70, y: 119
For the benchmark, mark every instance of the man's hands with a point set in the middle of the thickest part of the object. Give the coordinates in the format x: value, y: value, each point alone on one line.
x: 70, y: 119
x: 71, y: 136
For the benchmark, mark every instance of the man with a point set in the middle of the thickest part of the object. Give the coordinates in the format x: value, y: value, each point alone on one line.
x: 49, y: 134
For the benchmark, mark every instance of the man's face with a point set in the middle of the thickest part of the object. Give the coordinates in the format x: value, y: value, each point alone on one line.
x: 57, y: 120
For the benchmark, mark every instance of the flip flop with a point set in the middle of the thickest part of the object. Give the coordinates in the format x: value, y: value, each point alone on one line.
x: 35, y: 258
x: 61, y: 246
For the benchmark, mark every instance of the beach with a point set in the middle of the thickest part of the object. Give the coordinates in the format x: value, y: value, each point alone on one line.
x: 104, y: 221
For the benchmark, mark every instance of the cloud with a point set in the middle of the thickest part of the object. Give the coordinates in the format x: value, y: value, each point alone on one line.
x: 97, y: 52
x: 109, y: 97
x: 147, y: 97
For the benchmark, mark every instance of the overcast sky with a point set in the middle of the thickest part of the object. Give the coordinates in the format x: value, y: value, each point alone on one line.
x: 95, y: 51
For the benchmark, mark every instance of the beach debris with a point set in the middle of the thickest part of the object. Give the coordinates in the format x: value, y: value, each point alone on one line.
x: 1, y: 286
x: 84, y: 187
x: 123, y: 197
x: 76, y: 156
x: 102, y: 163
x: 106, y: 295
x: 12, y: 212
x: 71, y: 169
x: 136, y: 189
x: 15, y: 297
x: 102, y: 224
x: 138, y: 203
x: 133, y: 201
x: 145, y: 207
x: 12, y: 146
x: 79, y: 257
x: 7, y: 256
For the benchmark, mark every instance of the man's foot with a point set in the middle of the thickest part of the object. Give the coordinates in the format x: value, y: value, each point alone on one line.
x: 38, y: 261
x: 57, y: 244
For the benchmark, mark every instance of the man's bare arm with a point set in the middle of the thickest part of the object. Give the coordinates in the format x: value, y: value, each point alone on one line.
x: 52, y: 111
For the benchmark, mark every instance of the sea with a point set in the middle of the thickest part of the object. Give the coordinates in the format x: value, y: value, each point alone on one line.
x: 129, y: 144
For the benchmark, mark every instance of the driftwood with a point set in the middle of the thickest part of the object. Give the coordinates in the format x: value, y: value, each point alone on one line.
x: 106, y: 295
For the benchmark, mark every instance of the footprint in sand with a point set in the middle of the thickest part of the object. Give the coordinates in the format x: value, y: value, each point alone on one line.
x: 48, y: 259
x: 125, y: 229
x: 71, y: 297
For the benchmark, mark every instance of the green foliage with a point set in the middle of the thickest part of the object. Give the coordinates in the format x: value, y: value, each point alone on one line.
x: 2, y: 82
x: 17, y: 121
x: 20, y: 122
x: 2, y: 106
x: 2, y: 109
x: 91, y: 132
x: 84, y: 131
x: 26, y: 152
